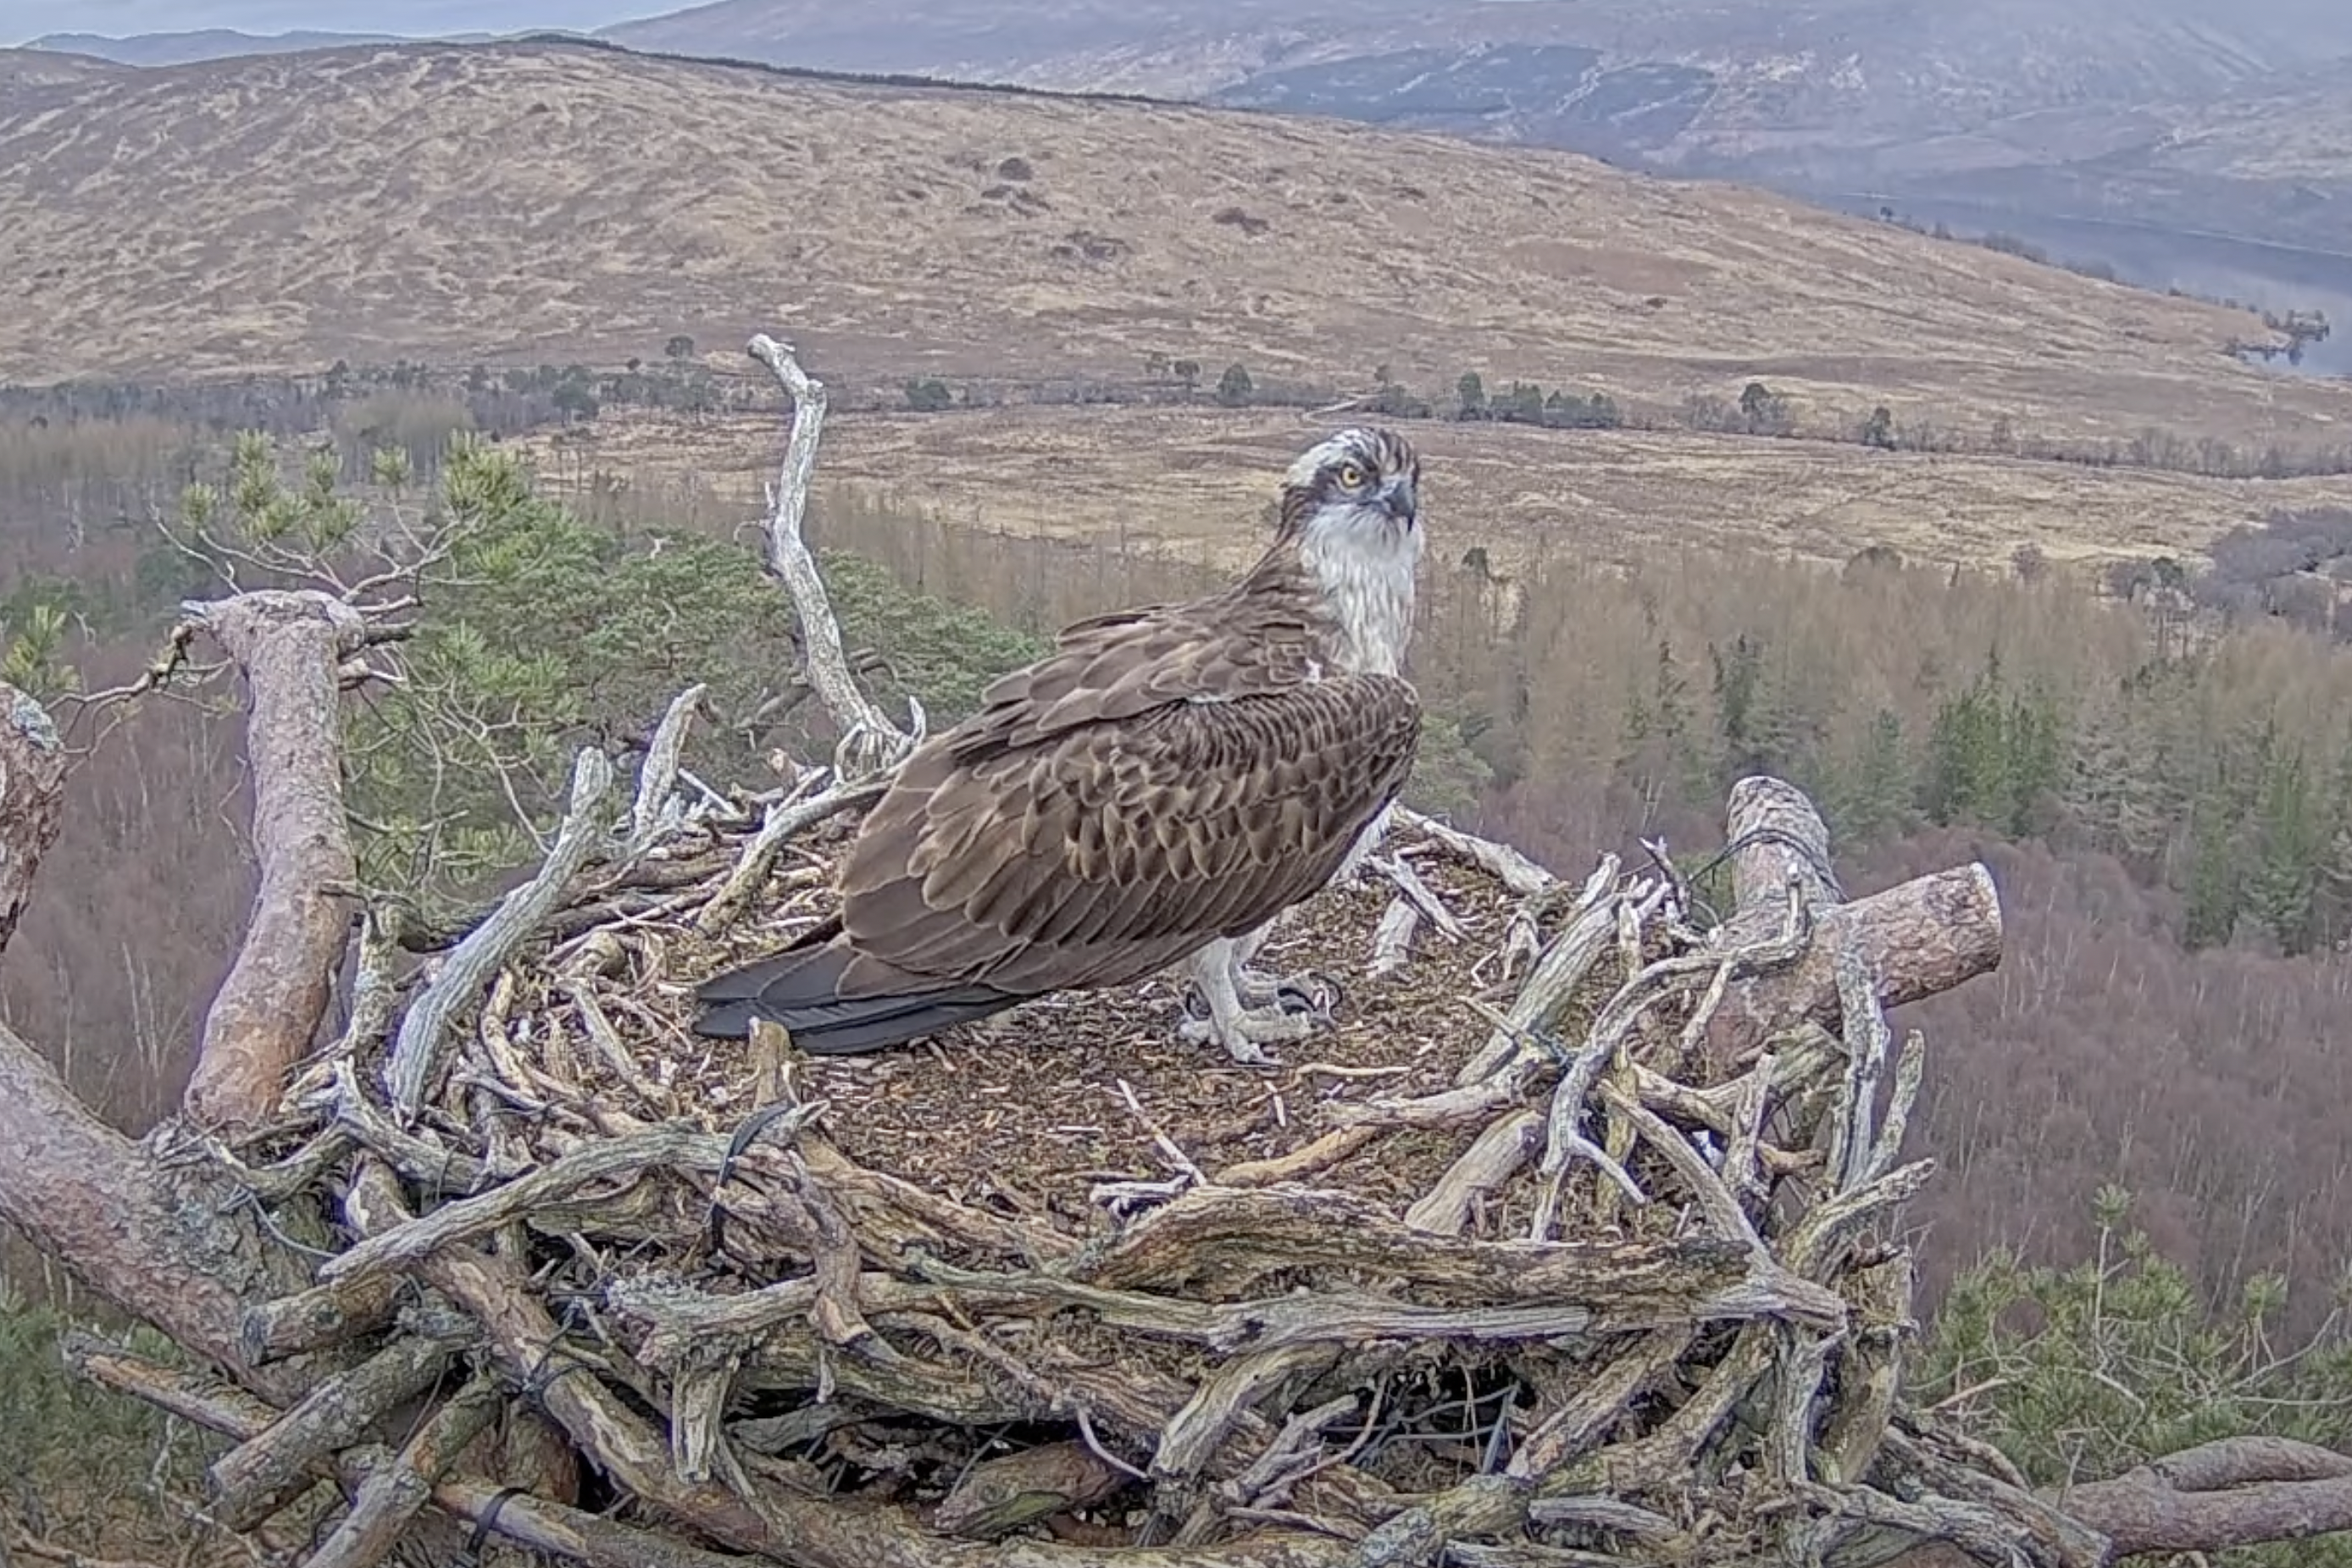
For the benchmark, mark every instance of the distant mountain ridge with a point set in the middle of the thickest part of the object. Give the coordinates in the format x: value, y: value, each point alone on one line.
x: 192, y: 47
x: 1813, y: 72
x: 1824, y: 92
x: 2141, y: 110
x: 2145, y: 110
x: 479, y: 204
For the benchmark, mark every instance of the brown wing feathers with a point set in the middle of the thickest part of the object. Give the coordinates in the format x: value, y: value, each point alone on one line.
x: 1089, y: 826
x: 1099, y: 854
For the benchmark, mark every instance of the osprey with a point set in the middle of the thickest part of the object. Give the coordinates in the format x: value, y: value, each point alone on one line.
x: 1153, y: 791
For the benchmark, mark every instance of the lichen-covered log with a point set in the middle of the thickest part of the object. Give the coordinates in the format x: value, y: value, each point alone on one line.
x: 257, y: 1478
x: 397, y: 1486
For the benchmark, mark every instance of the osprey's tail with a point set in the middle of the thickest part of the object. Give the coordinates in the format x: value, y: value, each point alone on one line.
x: 800, y: 988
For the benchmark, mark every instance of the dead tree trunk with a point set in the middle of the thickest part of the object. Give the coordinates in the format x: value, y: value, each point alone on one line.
x: 1915, y: 940
x: 174, y: 1242
x: 291, y: 647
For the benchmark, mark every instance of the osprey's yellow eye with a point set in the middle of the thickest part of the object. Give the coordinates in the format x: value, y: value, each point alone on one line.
x: 1351, y: 476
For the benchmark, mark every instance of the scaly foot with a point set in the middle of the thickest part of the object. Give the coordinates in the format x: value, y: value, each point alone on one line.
x: 1244, y: 1032
x: 1262, y: 1010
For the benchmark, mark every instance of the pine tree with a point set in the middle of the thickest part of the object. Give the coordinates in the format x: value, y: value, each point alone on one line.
x: 2332, y: 873
x: 2035, y: 762
x: 2096, y: 793
x: 2211, y: 888
x: 1662, y: 748
x: 1872, y: 794
x: 1968, y: 754
x: 1744, y: 715
x: 2290, y: 837
x: 2170, y: 756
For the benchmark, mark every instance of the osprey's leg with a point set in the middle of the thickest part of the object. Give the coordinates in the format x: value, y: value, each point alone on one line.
x: 1241, y: 1030
x: 1361, y: 850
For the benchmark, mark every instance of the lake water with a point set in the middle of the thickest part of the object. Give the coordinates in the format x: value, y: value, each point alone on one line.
x: 2278, y: 278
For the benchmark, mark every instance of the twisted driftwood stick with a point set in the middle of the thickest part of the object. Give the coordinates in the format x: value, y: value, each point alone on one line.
x: 870, y: 742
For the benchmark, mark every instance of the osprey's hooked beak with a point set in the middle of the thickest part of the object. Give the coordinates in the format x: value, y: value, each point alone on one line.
x: 1396, y: 499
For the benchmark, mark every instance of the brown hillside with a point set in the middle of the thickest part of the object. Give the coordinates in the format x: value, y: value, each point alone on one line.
x: 555, y: 202
x: 25, y: 72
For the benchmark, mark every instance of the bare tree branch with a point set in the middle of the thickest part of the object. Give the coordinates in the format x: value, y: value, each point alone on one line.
x: 2238, y: 1491
x: 421, y: 1046
x: 32, y: 795
x: 870, y: 743
x: 174, y: 1244
x: 401, y: 1484
x: 289, y: 645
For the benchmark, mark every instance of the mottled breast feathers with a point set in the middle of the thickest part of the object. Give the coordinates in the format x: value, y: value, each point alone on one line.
x: 1145, y: 788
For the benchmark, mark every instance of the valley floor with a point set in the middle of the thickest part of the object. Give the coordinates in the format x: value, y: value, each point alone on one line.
x: 1197, y: 481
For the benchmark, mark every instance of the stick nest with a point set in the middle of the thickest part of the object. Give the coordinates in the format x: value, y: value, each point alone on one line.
x: 1516, y: 1264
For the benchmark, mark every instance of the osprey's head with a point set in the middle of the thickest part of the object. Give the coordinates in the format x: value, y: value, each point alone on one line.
x: 1364, y: 481
x: 1351, y: 510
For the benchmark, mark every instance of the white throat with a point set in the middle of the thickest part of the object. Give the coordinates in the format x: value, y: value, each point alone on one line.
x: 1366, y: 562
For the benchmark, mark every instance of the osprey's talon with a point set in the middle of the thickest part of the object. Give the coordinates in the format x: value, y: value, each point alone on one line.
x: 1309, y: 991
x: 1249, y: 1055
x: 1305, y: 992
x: 1247, y: 1033
x: 1256, y: 987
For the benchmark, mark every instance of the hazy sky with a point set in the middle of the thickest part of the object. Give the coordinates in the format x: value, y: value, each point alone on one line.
x: 23, y: 19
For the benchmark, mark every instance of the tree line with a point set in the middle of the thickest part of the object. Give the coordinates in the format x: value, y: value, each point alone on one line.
x: 418, y: 407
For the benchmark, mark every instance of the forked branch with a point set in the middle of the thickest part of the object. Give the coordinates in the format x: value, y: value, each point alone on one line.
x: 166, y: 1245
x: 870, y: 743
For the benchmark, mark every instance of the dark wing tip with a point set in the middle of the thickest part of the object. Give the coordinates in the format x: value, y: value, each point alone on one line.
x: 800, y: 989
x: 860, y: 1024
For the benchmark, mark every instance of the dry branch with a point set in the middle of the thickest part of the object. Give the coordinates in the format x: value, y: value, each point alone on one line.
x: 419, y: 1051
x: 288, y: 646
x: 2238, y: 1491
x: 174, y: 1245
x: 870, y: 742
x: 32, y: 798
x: 257, y: 1478
x: 569, y: 1534
x: 326, y: 1315
x: 398, y: 1486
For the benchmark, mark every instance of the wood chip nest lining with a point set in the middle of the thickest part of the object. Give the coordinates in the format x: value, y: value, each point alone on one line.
x: 1025, y: 1113
x: 1061, y: 1274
